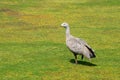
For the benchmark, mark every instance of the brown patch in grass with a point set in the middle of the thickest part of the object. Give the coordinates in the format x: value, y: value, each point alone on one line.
x: 10, y: 12
x: 40, y: 20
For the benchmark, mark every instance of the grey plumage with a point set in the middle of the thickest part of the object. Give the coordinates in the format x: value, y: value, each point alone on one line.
x: 77, y: 46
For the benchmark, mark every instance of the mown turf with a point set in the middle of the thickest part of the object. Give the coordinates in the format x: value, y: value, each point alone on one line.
x: 32, y: 43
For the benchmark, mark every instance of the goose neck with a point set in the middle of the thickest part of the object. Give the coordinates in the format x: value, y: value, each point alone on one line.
x: 67, y: 31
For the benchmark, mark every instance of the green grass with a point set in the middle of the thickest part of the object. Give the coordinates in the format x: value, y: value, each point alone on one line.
x: 32, y: 43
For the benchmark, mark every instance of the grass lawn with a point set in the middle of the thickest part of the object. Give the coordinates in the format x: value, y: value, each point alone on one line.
x: 32, y: 43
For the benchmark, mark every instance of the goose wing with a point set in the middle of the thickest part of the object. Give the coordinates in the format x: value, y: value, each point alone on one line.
x: 83, y: 42
x: 87, y: 46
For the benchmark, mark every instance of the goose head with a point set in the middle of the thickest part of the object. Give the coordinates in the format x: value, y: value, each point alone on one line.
x: 65, y: 25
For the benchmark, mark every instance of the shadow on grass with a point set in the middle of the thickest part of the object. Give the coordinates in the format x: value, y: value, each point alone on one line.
x: 83, y: 63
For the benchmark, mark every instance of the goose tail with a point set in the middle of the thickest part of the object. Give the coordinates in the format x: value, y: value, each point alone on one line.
x: 92, y: 55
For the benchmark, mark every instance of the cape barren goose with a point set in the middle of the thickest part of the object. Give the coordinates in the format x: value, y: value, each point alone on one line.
x: 76, y: 45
